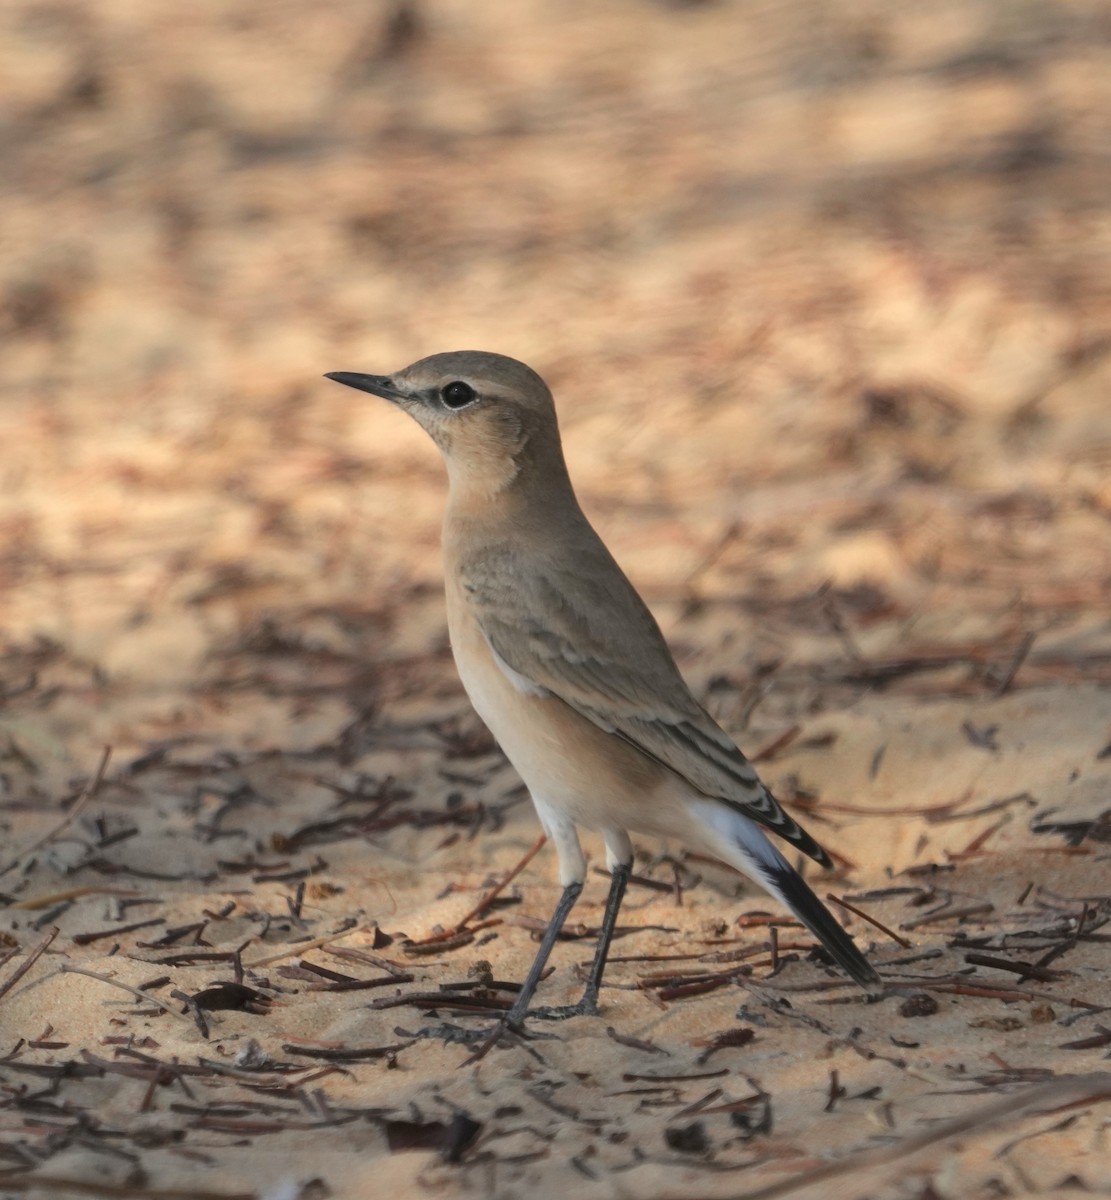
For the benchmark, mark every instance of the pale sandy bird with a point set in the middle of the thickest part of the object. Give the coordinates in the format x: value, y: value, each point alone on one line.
x: 568, y: 668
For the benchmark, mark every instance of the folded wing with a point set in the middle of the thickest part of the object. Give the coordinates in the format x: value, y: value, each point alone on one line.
x: 585, y: 636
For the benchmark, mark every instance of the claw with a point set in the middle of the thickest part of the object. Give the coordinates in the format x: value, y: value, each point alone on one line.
x: 447, y: 1033
x: 563, y: 1012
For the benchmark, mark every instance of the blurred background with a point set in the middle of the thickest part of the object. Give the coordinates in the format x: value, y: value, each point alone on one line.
x: 824, y: 293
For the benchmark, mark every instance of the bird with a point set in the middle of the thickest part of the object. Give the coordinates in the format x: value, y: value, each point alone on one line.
x: 565, y: 664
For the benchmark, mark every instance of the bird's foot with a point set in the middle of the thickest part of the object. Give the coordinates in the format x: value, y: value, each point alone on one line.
x: 586, y: 1007
x: 445, y: 1032
x: 511, y: 1027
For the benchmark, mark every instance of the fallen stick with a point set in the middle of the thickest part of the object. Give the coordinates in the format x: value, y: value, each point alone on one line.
x: 1046, y: 1097
x: 87, y: 793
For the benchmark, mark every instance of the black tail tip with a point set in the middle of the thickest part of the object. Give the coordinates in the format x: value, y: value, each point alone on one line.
x: 796, y: 894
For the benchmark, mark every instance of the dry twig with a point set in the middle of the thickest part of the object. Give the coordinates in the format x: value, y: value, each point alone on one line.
x: 1046, y: 1097
x: 87, y: 793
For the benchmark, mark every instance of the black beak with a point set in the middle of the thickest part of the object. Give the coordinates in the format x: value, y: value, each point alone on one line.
x: 377, y: 385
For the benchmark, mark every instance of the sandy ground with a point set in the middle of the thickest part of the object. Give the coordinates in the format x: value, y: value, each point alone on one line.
x: 825, y: 296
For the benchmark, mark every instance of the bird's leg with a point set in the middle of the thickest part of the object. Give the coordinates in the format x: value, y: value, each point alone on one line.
x: 516, y: 1015
x: 588, y: 1004
x: 520, y: 1006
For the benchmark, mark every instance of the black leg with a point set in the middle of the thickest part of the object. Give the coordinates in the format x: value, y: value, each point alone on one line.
x: 588, y: 1005
x: 618, y: 884
x: 524, y: 997
x: 517, y: 1014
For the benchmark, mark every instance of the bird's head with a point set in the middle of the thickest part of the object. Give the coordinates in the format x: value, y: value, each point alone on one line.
x: 489, y: 415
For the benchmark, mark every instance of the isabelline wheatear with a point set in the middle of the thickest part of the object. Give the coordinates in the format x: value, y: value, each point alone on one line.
x: 568, y: 668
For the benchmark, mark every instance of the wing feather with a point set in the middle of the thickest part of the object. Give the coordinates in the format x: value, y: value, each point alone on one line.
x: 586, y: 636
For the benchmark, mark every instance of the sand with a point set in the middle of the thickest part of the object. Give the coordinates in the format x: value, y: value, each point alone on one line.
x: 823, y: 295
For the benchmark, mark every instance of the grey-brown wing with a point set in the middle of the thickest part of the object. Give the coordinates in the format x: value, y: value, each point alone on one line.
x: 586, y: 636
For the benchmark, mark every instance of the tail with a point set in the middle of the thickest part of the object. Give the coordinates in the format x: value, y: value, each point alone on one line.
x: 739, y: 841
x: 789, y: 886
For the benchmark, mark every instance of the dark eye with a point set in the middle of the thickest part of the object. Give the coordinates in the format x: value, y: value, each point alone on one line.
x: 458, y: 394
